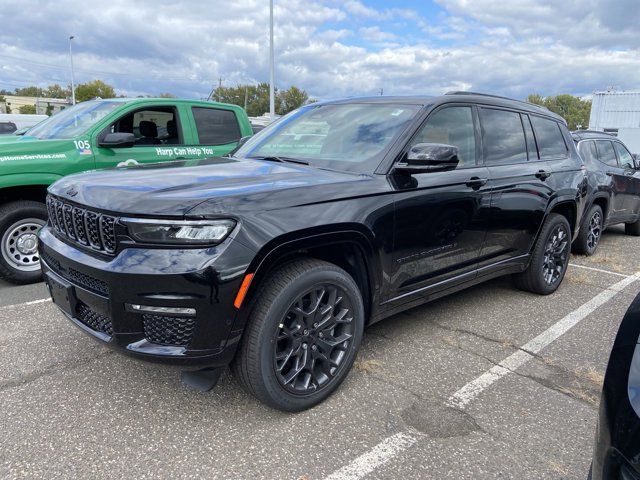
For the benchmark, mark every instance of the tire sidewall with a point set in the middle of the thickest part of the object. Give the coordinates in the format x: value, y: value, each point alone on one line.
x: 276, y: 312
x: 34, y: 210
x: 554, y: 221
x: 592, y: 211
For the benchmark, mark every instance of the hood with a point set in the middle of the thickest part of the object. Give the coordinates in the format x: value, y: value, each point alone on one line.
x: 220, y: 185
x: 10, y: 138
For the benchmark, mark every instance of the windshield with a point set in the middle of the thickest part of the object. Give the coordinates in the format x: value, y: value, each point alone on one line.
x: 351, y: 137
x: 73, y: 121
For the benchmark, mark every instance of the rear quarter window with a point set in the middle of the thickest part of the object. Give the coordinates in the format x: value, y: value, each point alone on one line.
x: 550, y: 140
x: 216, y: 126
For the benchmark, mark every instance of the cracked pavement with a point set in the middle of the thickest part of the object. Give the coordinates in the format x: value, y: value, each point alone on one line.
x: 72, y: 408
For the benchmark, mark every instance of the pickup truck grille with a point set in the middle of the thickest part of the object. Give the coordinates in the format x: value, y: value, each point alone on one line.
x: 82, y: 226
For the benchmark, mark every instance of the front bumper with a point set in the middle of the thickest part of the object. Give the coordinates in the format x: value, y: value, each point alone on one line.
x: 96, y: 294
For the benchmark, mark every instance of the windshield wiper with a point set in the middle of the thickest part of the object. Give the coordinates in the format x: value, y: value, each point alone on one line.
x: 274, y: 158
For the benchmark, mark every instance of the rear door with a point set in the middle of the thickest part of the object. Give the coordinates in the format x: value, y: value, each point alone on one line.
x: 519, y: 181
x: 632, y: 179
x: 216, y: 131
x: 618, y: 182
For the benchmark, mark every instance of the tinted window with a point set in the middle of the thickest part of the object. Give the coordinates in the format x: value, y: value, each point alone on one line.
x: 216, y: 127
x: 626, y: 160
x: 502, y: 137
x: 549, y: 136
x: 606, y: 153
x: 452, y: 126
x: 7, y: 127
x: 532, y: 150
x: 587, y: 151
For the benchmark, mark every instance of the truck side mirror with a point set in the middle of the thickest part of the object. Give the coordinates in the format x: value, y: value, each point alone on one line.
x: 118, y: 140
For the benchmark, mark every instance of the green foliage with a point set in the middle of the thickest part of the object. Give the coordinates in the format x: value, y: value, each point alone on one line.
x: 56, y: 91
x: 257, y: 98
x: 28, y: 109
x: 28, y: 91
x: 573, y: 109
x: 93, y: 89
x: 166, y: 95
x: 49, y: 110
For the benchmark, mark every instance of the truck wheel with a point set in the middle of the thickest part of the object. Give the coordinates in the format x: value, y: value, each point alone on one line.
x: 303, y: 335
x: 550, y: 258
x: 632, y: 228
x: 590, y: 233
x: 20, y: 222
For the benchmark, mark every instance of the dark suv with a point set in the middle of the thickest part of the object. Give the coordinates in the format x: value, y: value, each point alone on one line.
x: 614, y: 188
x: 336, y: 216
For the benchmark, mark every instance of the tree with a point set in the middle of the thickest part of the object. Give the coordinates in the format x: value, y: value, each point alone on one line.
x: 28, y: 109
x: 166, y: 95
x: 28, y: 91
x: 257, y: 98
x: 573, y: 109
x: 93, y: 89
x: 56, y: 91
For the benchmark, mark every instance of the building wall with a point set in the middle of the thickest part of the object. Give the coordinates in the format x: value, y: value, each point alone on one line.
x: 617, y: 113
x: 14, y: 102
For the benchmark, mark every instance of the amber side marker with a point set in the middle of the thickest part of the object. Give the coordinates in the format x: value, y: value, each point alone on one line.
x: 242, y: 292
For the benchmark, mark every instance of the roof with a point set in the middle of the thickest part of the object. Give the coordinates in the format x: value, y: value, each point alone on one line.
x: 472, y: 97
x: 587, y: 134
x: 162, y: 99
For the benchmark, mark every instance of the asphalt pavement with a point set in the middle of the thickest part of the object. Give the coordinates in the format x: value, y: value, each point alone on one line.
x: 488, y: 383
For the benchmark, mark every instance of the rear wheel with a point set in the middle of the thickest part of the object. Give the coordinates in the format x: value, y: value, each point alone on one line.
x: 550, y: 258
x: 590, y: 233
x: 303, y: 336
x: 632, y: 228
x: 20, y: 223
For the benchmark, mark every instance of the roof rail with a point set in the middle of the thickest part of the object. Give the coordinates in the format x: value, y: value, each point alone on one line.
x: 462, y: 92
x: 593, y: 131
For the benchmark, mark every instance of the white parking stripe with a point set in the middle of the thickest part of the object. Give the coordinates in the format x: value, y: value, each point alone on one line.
x: 376, y: 457
x: 472, y: 389
x: 32, y: 302
x: 598, y: 270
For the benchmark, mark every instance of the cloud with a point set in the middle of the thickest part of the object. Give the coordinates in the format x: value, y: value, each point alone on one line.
x: 328, y: 47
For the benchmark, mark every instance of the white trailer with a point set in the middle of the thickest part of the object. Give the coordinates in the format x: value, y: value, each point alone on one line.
x: 22, y: 120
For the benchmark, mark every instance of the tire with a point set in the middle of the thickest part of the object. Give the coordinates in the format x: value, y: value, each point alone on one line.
x: 546, y: 270
x: 20, y: 221
x: 590, y: 233
x: 273, y: 345
x: 632, y: 228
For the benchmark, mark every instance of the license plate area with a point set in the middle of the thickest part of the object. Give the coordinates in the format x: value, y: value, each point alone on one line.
x: 62, y: 294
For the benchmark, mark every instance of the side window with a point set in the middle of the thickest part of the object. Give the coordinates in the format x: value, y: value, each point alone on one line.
x: 606, y: 153
x: 549, y: 136
x: 452, y: 126
x: 626, y: 160
x: 151, y: 126
x: 587, y: 151
x: 532, y: 150
x: 502, y: 137
x: 216, y: 126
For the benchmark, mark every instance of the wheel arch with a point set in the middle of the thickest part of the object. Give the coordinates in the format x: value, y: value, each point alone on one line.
x: 603, y: 202
x: 566, y: 207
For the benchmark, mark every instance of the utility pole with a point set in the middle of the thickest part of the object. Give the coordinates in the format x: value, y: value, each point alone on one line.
x: 381, y: 91
x: 272, y: 75
x: 246, y: 97
x: 73, y: 86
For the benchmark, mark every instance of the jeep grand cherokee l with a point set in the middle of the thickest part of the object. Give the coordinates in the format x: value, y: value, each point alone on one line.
x: 614, y: 188
x: 338, y: 215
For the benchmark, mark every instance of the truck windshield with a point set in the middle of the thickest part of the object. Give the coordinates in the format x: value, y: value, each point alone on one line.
x: 349, y: 136
x: 73, y: 121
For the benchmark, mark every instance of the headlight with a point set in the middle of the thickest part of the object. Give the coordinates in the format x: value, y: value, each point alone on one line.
x: 181, y: 232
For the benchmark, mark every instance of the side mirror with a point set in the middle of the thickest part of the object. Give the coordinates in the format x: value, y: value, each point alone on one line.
x: 118, y: 140
x: 429, y: 157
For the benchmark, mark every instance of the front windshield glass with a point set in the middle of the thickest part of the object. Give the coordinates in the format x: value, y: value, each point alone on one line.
x: 350, y: 136
x: 73, y: 121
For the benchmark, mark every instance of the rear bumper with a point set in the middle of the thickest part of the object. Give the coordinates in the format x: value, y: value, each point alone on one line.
x: 97, y: 296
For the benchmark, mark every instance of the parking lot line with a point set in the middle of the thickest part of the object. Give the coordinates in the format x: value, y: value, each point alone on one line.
x: 599, y: 270
x: 471, y: 390
x: 376, y: 457
x: 32, y: 302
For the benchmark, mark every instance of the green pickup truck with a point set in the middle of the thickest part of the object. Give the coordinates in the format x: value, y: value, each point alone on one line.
x: 93, y: 135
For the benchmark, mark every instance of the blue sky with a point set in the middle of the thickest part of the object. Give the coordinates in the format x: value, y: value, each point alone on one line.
x: 331, y: 48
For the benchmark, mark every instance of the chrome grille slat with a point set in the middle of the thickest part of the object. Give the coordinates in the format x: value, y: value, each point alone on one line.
x: 83, y: 226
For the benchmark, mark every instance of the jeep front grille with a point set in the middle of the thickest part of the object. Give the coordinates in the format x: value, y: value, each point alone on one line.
x: 82, y: 226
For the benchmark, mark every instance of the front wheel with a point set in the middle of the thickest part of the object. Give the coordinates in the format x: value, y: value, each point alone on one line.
x: 19, y: 225
x: 590, y: 233
x: 550, y: 258
x: 303, y: 335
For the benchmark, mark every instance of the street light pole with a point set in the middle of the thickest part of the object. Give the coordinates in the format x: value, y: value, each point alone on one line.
x: 73, y: 86
x: 272, y: 80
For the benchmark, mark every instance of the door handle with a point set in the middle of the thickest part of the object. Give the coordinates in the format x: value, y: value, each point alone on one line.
x: 543, y: 174
x: 476, y: 182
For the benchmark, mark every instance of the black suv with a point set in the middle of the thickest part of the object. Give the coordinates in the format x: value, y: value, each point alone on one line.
x: 336, y: 216
x: 614, y: 188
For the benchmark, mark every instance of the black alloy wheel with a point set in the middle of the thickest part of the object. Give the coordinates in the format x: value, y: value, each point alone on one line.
x: 594, y: 230
x: 555, y: 255
x: 312, y: 341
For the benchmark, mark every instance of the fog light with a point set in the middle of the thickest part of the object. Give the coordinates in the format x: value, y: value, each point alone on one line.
x: 190, y: 312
